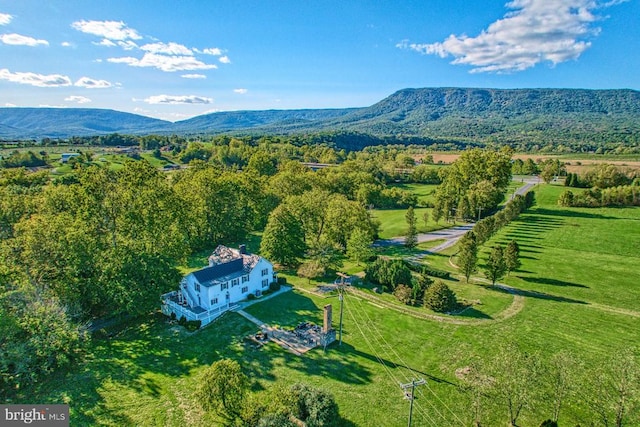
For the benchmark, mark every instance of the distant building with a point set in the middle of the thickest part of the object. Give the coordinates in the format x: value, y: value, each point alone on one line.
x: 232, y: 275
x: 66, y: 156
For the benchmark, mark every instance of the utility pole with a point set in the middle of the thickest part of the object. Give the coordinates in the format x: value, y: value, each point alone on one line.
x: 341, y: 298
x: 413, y: 385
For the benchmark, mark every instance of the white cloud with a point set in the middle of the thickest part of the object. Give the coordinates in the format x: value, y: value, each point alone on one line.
x: 8, y: 104
x: 90, y: 83
x: 164, y: 62
x: 105, y: 42
x: 167, y: 48
x: 194, y: 76
x: 178, y: 99
x: 78, y: 99
x: 225, y: 60
x: 66, y: 44
x: 212, y: 51
x: 33, y: 79
x: 5, y: 18
x: 128, y: 45
x: 241, y: 91
x: 20, y: 40
x: 112, y: 30
x: 534, y: 31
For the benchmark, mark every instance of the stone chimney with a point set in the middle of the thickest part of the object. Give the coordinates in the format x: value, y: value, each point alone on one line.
x: 242, y: 249
x: 326, y: 327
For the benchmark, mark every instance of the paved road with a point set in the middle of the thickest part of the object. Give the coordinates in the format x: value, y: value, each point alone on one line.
x: 453, y: 234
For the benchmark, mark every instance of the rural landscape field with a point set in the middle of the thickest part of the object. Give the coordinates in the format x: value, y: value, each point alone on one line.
x: 320, y: 214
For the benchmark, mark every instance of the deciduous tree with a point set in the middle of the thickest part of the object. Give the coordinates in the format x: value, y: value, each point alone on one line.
x: 495, y: 267
x: 283, y: 237
x: 359, y: 246
x: 512, y: 256
x: 222, y: 389
x: 467, y: 257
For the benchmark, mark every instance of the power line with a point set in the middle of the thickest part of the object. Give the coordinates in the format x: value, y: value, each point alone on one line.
x: 413, y: 384
x: 406, y: 366
x: 381, y: 360
x: 422, y: 411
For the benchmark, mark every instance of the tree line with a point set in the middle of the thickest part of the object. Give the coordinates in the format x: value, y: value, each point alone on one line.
x: 606, y: 185
x: 514, y: 381
x: 104, y: 242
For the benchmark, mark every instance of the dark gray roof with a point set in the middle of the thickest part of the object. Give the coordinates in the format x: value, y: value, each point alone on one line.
x: 212, y: 273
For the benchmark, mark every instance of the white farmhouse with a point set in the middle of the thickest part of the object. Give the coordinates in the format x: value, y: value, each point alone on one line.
x: 232, y: 275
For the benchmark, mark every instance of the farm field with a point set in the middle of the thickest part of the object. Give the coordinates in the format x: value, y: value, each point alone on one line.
x: 579, y: 266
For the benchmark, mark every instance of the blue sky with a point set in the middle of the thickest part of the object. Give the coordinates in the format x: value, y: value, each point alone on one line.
x: 178, y: 59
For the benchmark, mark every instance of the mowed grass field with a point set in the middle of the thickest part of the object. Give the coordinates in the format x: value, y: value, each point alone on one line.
x: 393, y: 222
x: 581, y: 263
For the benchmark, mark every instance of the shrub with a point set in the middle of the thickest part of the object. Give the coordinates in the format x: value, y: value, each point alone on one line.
x: 389, y: 273
x: 315, y: 407
x: 282, y: 280
x: 182, y: 321
x: 403, y: 293
x: 275, y: 286
x: 251, y: 297
x: 193, y: 325
x: 440, y: 298
x: 435, y: 273
x: 173, y: 316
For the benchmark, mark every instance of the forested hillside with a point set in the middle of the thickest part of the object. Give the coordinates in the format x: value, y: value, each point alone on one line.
x: 526, y: 119
x: 517, y: 117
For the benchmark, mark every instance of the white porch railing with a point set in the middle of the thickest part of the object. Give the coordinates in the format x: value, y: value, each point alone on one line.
x: 169, y: 306
x: 186, y: 293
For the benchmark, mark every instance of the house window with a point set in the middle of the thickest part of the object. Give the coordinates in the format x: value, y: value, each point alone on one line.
x: 197, y: 286
x: 265, y: 283
x: 245, y: 289
x: 265, y: 271
x: 224, y: 286
x: 245, y: 279
x: 214, y: 301
x: 235, y: 282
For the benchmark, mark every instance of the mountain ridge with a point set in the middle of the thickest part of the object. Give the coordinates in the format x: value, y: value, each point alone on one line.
x: 464, y: 114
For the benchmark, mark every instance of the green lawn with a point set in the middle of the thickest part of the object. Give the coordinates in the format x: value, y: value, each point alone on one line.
x: 582, y: 263
x: 424, y: 192
x: 393, y: 222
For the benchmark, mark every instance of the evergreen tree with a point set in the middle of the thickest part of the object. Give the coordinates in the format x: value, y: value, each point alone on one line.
x: 440, y: 298
x: 512, y: 256
x: 496, y: 266
x: 421, y: 285
x: 411, y: 241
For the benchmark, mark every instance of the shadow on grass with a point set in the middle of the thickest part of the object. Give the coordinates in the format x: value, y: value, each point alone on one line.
x: 534, y: 294
x: 472, y: 313
x: 553, y: 282
x: 571, y: 214
x: 346, y: 348
x: 133, y: 365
